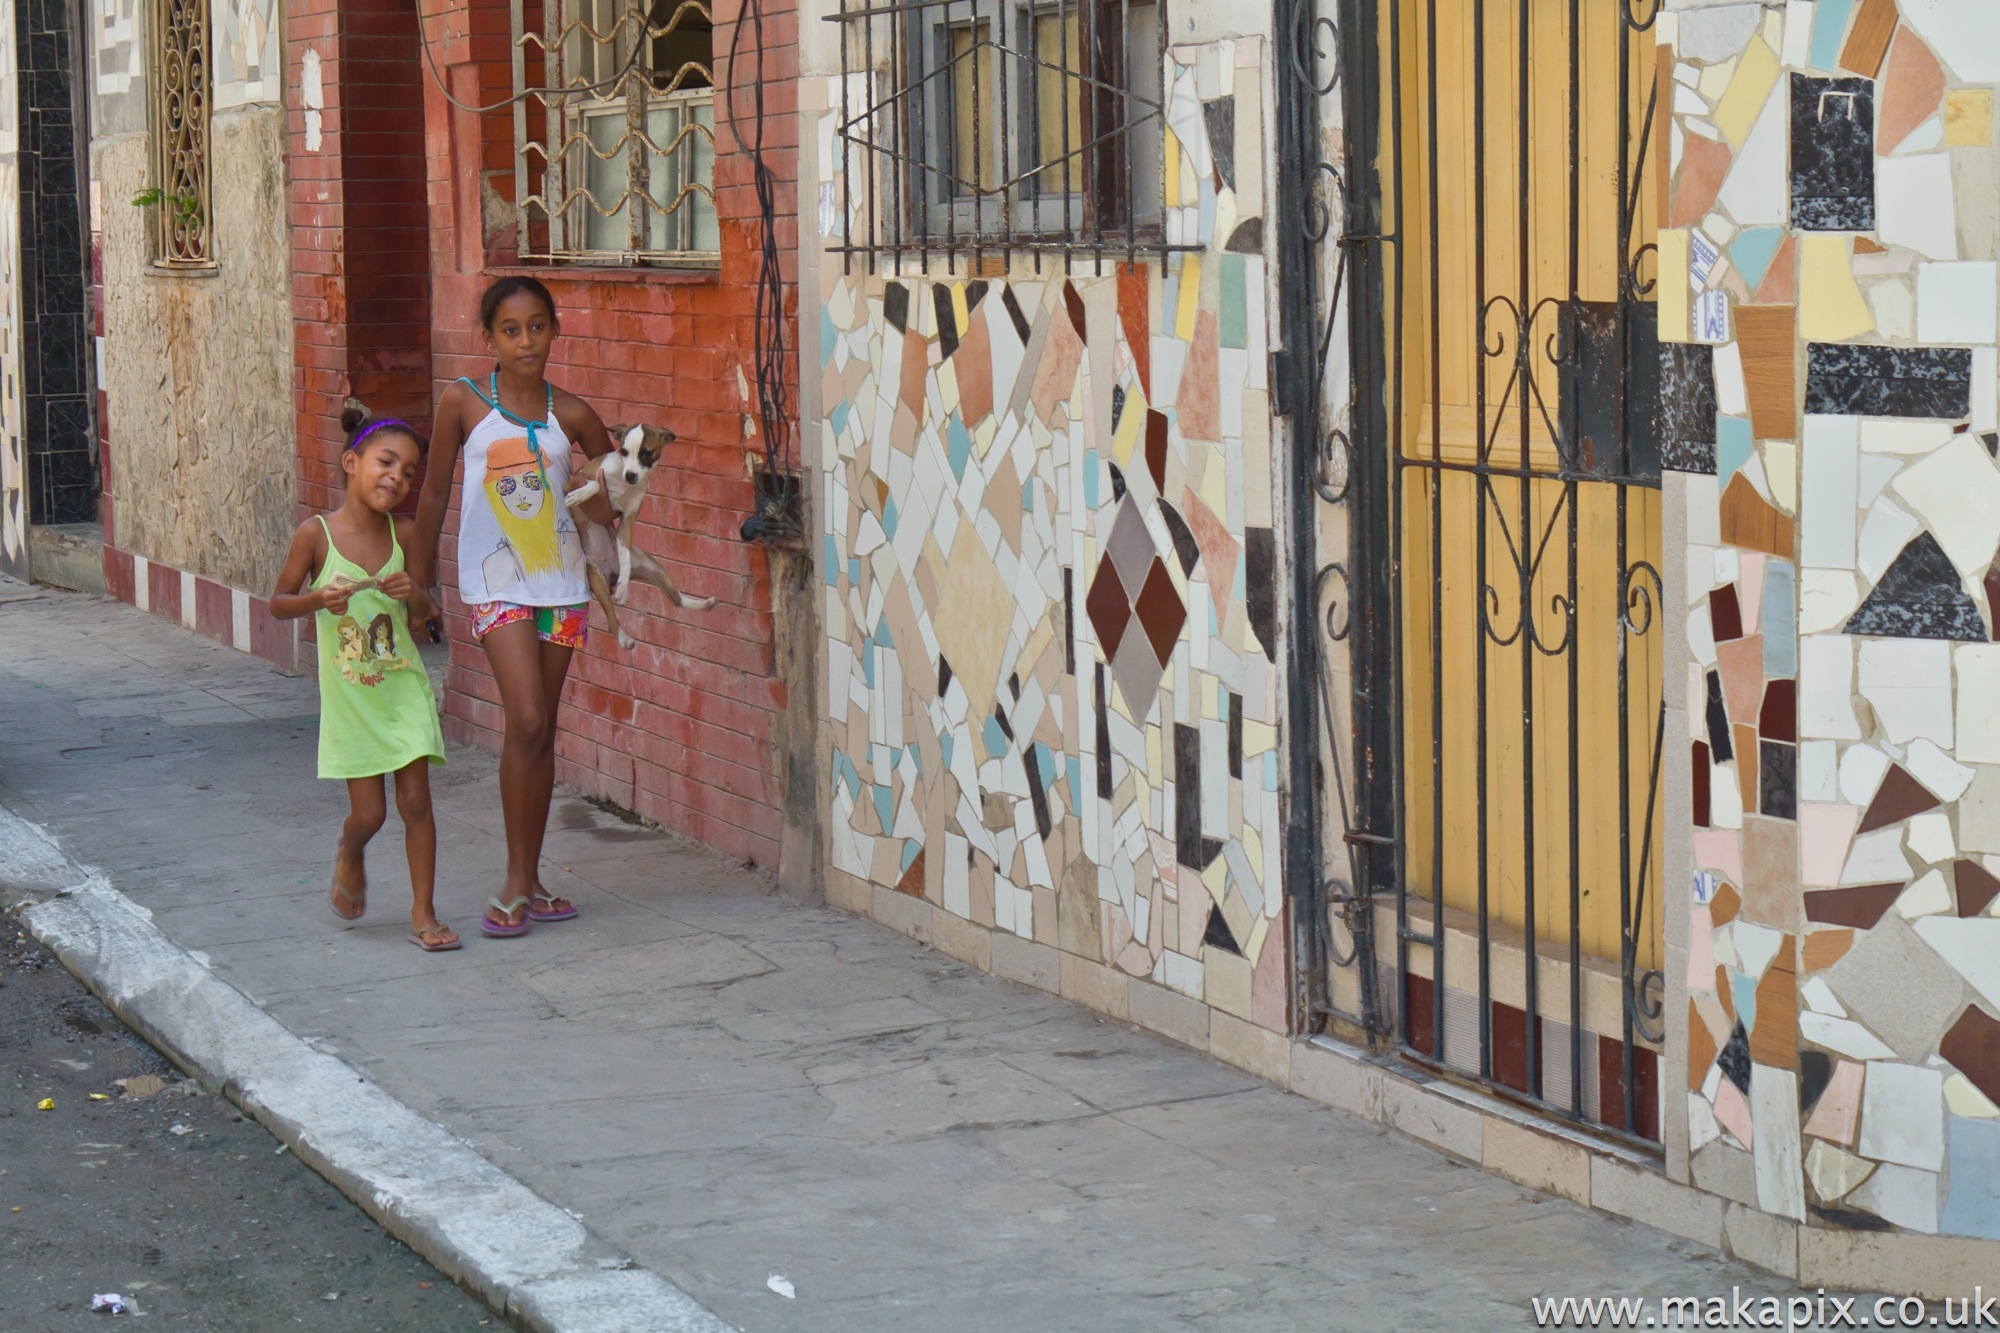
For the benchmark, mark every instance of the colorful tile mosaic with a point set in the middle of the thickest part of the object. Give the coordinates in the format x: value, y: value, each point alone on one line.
x: 1844, y: 973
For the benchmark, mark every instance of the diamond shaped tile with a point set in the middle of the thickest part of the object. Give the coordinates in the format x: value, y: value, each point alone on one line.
x: 1130, y: 547
x: 1109, y: 610
x: 1159, y: 611
x: 1137, y: 670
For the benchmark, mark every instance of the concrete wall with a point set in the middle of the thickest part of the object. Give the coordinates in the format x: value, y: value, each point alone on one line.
x: 13, y: 444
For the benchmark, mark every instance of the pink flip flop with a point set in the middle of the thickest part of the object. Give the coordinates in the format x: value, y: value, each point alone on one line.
x: 500, y: 929
x: 567, y: 913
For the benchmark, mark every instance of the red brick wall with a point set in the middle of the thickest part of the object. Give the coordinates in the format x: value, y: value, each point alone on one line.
x: 679, y: 729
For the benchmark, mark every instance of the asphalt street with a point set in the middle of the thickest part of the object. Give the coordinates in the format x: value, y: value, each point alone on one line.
x: 168, y: 1196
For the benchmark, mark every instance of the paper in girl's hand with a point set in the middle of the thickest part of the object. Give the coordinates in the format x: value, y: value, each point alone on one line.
x: 352, y: 586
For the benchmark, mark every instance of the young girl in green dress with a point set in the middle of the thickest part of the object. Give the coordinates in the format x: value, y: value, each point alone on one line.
x: 377, y: 713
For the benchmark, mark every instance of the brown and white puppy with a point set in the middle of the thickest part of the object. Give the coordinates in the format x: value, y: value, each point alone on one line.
x: 615, y: 562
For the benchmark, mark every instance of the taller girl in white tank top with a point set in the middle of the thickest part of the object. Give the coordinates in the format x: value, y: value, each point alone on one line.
x: 516, y: 540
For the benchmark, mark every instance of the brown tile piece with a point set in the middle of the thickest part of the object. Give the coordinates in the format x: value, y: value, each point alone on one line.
x: 1775, y: 1039
x: 1770, y: 871
x: 1868, y: 37
x: 1701, y: 1049
x: 973, y: 364
x: 1745, y: 736
x: 1973, y: 1047
x: 1824, y: 948
x: 1899, y: 797
x: 1702, y: 770
x: 1740, y: 663
x: 1765, y: 334
x: 1859, y: 907
x: 1749, y: 521
x: 1704, y: 163
x: 1992, y: 582
x: 916, y: 367
x: 1003, y: 501
x: 912, y: 881
x: 1073, y: 304
x: 1200, y: 392
x: 1156, y: 447
x: 1107, y: 608
x: 1911, y: 91
x: 1724, y: 906
x: 1160, y: 611
x: 1864, y: 246
x: 1780, y: 285
x: 1778, y: 719
x: 1725, y: 614
x: 1976, y: 887
x: 1135, y: 285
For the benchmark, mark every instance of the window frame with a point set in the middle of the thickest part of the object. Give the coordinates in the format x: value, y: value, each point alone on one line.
x: 181, y: 224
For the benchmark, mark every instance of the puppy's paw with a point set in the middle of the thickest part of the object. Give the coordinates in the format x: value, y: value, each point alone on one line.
x: 621, y: 593
x: 626, y: 641
x: 688, y: 603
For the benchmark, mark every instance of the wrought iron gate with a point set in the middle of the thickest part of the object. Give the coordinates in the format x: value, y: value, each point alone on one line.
x: 1476, y: 527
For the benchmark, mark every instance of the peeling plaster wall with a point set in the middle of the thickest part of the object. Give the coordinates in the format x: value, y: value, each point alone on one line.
x: 198, y: 369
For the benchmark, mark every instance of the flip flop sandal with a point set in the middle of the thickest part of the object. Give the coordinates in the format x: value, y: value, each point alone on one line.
x: 341, y: 894
x: 549, y: 914
x: 431, y: 940
x: 500, y: 929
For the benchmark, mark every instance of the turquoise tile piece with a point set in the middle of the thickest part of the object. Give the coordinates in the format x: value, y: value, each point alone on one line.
x: 868, y: 662
x: 1829, y: 25
x: 885, y: 806
x: 910, y: 849
x: 916, y: 758
x: 1233, y: 318
x: 839, y: 417
x: 1090, y: 471
x: 1972, y: 1192
x: 996, y: 739
x: 1744, y: 990
x: 1733, y: 447
x: 1778, y: 620
x: 1045, y: 760
x: 959, y: 443
x: 1028, y: 496
x: 832, y: 560
x: 889, y: 518
x: 827, y: 336
x: 1752, y: 250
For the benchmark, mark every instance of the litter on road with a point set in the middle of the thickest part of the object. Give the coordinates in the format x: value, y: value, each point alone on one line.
x: 108, y: 1303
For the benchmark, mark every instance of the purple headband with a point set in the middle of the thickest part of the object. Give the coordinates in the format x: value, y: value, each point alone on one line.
x: 384, y: 423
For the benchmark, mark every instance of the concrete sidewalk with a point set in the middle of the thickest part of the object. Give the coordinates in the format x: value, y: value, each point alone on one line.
x: 727, y: 1086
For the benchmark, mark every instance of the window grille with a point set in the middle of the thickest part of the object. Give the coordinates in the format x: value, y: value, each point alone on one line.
x: 614, y: 147
x: 183, y: 237
x: 970, y: 128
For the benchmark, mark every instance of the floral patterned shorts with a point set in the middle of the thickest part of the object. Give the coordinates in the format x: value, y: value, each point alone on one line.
x: 566, y: 625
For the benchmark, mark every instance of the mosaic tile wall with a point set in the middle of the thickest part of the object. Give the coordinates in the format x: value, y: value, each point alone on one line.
x: 13, y: 445
x: 1050, y: 579
x: 1831, y: 268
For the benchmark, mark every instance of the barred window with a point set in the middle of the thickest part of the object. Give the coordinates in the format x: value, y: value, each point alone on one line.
x: 617, y: 165
x: 178, y: 202
x: 974, y: 126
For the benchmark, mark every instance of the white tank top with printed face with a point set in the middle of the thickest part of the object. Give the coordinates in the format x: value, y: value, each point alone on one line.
x: 516, y: 539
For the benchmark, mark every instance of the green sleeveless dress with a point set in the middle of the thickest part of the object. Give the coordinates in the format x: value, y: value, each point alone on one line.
x: 376, y: 710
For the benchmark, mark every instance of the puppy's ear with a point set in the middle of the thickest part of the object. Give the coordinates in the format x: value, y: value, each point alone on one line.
x: 661, y: 436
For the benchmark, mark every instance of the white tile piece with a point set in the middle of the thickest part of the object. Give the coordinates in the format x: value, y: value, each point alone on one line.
x: 1702, y: 1129
x: 1971, y: 946
x: 1960, y: 32
x: 1861, y: 770
x: 1756, y: 191
x: 1904, y: 436
x: 1884, y: 532
x: 1755, y: 946
x: 1819, y: 772
x: 1819, y: 997
x: 1827, y: 597
x: 1913, y: 204
x: 1944, y: 776
x: 1876, y: 472
x: 1901, y: 1195
x: 1923, y: 138
x: 1894, y: 308
x: 1774, y: 1110
x: 1704, y: 510
x: 1928, y: 896
x: 1877, y: 858
x: 1902, y: 1115
x: 1834, y: 1172
x: 1829, y: 480
x: 1730, y: 397
x: 1961, y: 1097
x: 1826, y: 684
x: 1955, y: 302
x: 1798, y: 33
x: 1908, y: 683
x: 1725, y: 798
x: 1978, y: 667
x: 1700, y: 572
x: 1701, y: 636
x: 1842, y: 1036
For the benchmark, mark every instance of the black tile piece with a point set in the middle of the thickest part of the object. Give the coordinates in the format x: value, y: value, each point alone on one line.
x: 1701, y: 771
x: 1073, y: 303
x: 1221, y: 117
x: 1117, y: 405
x: 1187, y: 797
x: 1833, y: 154
x: 1235, y: 735
x: 1725, y: 614
x: 1260, y: 586
x: 1103, y: 735
x: 1006, y: 727
x: 1919, y: 596
x: 1039, y: 798
x: 1815, y: 1072
x: 1777, y: 779
x: 1991, y: 439
x: 896, y: 306
x: 1248, y: 238
x: 944, y: 675
x: 1719, y: 743
x: 1184, y: 543
x: 1014, y: 313
x: 1014, y: 685
x: 975, y: 292
x: 1687, y: 407
x: 1849, y: 1219
x: 1734, y: 1058
x: 947, y: 319
x: 1210, y: 849
x: 1117, y: 482
x: 1069, y: 621
x: 1847, y: 379
x: 1219, y: 934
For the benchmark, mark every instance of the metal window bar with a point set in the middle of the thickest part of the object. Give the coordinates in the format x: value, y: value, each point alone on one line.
x: 987, y: 128
x: 627, y: 132
x: 183, y: 236
x: 1551, y: 248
